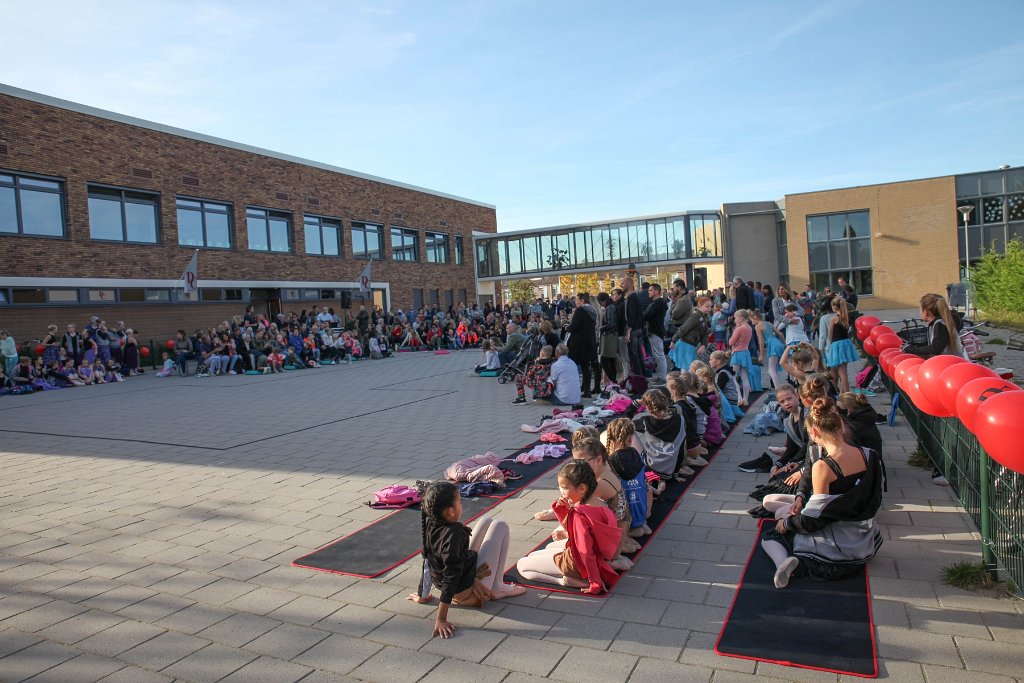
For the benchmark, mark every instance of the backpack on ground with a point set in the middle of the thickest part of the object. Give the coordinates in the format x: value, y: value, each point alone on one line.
x: 396, y: 496
x: 477, y: 488
x: 636, y: 385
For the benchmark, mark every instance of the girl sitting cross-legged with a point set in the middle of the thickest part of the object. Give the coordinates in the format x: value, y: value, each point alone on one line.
x: 465, y: 565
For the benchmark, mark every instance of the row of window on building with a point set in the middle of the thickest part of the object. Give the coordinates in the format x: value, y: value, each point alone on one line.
x: 34, y: 206
x: 692, y: 236
x: 66, y: 296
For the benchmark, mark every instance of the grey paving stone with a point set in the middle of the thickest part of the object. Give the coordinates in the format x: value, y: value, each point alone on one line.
x: 586, y: 632
x: 26, y: 663
x: 450, y: 670
x: 12, y: 640
x: 988, y: 656
x: 656, y: 671
x: 221, y: 592
x: 44, y: 616
x: 650, y: 641
x: 471, y: 645
x: 269, y: 670
x: 910, y: 645
x: 338, y: 653
x: 700, y: 651
x: 305, y: 610
x: 287, y: 641
x: 194, y: 618
x: 528, y: 622
x: 118, y: 638
x: 403, y: 631
x: 21, y: 602
x: 82, y: 668
x: 261, y: 600
x: 366, y: 593
x: 396, y: 664
x: 585, y: 665
x: 210, y: 664
x: 238, y: 629
x: 633, y: 609
x: 163, y: 650
x: 353, y: 620
x: 71, y: 631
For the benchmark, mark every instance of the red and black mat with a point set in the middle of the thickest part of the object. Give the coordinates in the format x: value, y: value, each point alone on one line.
x: 389, y: 541
x: 821, y: 625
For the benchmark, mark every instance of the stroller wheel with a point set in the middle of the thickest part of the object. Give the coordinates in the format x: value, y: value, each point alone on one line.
x: 502, y: 379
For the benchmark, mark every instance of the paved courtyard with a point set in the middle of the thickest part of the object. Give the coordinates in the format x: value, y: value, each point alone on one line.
x: 147, y: 530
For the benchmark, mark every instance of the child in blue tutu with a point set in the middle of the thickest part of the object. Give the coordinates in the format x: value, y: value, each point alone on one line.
x: 841, y: 350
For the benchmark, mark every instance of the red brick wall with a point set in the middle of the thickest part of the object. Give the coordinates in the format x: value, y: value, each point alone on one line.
x: 86, y: 149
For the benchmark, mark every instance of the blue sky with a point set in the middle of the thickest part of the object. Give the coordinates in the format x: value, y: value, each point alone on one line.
x: 558, y: 112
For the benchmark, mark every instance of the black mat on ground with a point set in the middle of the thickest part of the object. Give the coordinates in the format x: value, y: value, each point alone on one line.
x: 388, y: 542
x: 384, y: 544
x: 663, y: 507
x: 822, y: 625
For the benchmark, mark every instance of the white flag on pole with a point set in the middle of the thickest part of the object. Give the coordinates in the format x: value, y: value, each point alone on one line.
x: 364, y: 278
x: 191, y: 275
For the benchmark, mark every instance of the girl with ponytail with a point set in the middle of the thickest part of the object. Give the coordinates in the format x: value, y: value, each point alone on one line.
x: 942, y: 329
x: 841, y: 350
x: 465, y: 565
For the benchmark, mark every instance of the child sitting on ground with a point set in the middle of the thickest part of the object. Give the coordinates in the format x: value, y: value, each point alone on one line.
x: 581, y: 560
x: 491, y: 361
x: 168, y: 366
x: 706, y: 390
x: 536, y: 378
x: 725, y: 380
x: 628, y: 464
x: 275, y: 360
x: 609, y: 489
x: 466, y: 565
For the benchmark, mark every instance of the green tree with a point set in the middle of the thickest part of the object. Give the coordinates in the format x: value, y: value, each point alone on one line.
x: 999, y: 283
x: 521, y: 291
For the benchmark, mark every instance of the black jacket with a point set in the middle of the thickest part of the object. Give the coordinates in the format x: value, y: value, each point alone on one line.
x: 452, y: 563
x: 582, y: 339
x: 655, y: 317
x: 634, y: 312
x: 745, y: 298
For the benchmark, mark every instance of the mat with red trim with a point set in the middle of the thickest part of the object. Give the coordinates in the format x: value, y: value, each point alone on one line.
x: 389, y: 541
x: 821, y: 625
x: 664, y: 505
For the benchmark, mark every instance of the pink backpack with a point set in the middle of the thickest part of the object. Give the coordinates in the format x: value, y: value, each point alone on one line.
x: 395, y: 496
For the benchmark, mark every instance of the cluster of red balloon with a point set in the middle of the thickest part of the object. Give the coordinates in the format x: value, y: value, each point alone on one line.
x: 951, y: 386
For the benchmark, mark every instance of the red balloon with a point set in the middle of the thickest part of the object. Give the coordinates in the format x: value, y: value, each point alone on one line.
x: 953, y: 379
x: 869, y: 347
x: 885, y: 356
x: 889, y: 340
x: 144, y: 351
x: 928, y: 381
x: 974, y: 393
x: 39, y: 349
x: 879, y: 330
x: 903, y: 367
x: 1000, y: 429
x: 865, y: 323
x: 896, y: 360
x: 170, y: 343
x: 916, y: 396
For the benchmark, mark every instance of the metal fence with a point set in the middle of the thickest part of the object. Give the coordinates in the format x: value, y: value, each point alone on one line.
x: 991, y: 494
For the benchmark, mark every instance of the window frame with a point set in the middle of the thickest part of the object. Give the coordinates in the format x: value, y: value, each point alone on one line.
x: 365, y: 227
x: 334, y: 222
x: 122, y: 201
x: 404, y: 234
x: 202, y: 211
x: 61, y: 193
x: 268, y: 214
x: 457, y: 246
x: 432, y: 245
x: 833, y: 272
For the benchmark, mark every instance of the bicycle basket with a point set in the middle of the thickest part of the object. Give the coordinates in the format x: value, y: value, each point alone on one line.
x: 914, y: 334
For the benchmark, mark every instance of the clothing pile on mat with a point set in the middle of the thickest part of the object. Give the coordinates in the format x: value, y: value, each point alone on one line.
x: 476, y: 468
x: 541, y: 451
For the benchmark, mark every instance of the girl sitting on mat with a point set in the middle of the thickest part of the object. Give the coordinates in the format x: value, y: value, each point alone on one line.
x: 609, y: 489
x: 578, y: 437
x: 465, y: 565
x: 834, y: 533
x: 627, y: 461
x: 580, y: 560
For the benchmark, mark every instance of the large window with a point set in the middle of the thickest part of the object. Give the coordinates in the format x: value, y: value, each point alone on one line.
x: 704, y: 236
x: 123, y: 215
x: 997, y: 198
x: 203, y: 224
x: 268, y: 230
x: 31, y: 206
x: 436, y: 244
x: 839, y: 245
x: 404, y: 244
x: 366, y: 241
x: 323, y: 235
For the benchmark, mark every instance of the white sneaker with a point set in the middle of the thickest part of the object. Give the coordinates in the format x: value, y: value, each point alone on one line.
x: 940, y: 481
x: 232, y: 372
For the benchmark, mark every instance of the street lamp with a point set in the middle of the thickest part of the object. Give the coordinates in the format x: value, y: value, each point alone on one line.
x: 966, y: 210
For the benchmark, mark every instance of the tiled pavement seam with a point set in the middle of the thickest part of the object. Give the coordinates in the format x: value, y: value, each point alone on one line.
x: 87, y: 569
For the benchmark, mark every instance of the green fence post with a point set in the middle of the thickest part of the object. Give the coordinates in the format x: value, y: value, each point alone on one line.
x: 985, y: 513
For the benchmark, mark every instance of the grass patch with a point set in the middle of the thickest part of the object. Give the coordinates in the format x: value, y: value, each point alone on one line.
x: 997, y: 341
x: 919, y: 458
x: 967, y: 575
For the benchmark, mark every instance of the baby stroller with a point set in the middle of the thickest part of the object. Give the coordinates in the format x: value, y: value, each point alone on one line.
x: 521, y: 363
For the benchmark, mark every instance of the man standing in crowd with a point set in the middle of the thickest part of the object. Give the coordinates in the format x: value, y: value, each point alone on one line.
x: 363, y: 325
x: 682, y: 305
x: 655, y: 319
x: 583, y: 343
x: 634, y: 326
x: 744, y: 295
x: 848, y: 293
